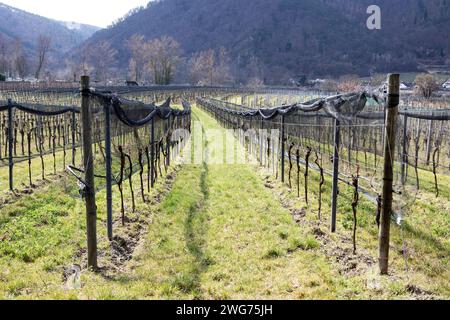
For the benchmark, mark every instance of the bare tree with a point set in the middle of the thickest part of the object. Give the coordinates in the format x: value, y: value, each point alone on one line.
x: 138, y: 49
x: 4, y: 61
x: 207, y: 67
x: 163, y: 58
x: 133, y: 70
x: 42, y: 49
x: 201, y: 67
x: 21, y: 66
x: 170, y: 58
x: 329, y: 85
x: 254, y: 69
x: 377, y: 80
x: 102, y: 57
x: 222, y: 70
x: 349, y: 83
x: 426, y: 85
x: 19, y: 60
x: 73, y: 70
x: 84, y: 66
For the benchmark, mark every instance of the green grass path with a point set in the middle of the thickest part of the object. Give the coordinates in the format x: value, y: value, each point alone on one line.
x: 220, y: 234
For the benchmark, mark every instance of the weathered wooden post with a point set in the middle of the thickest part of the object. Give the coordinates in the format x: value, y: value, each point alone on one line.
x: 283, y: 147
x: 261, y: 126
x: 169, y: 140
x: 152, y: 153
x: 404, y: 151
x: 73, y: 137
x: 10, y: 145
x: 337, y: 142
x: 108, y: 163
x: 388, y: 177
x: 89, y: 192
x: 429, y: 141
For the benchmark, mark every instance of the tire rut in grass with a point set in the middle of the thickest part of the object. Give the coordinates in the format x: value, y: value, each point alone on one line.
x: 196, y: 226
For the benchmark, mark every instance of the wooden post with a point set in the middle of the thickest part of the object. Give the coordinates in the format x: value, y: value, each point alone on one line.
x: 283, y: 147
x: 152, y: 154
x: 337, y: 142
x: 261, y: 141
x: 10, y: 145
x: 169, y: 140
x: 91, y: 209
x: 404, y: 155
x: 429, y: 141
x: 108, y: 163
x: 388, y: 177
x: 73, y: 137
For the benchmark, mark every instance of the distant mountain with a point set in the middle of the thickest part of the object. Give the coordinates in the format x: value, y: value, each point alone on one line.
x: 19, y: 24
x: 289, y: 38
x: 83, y: 30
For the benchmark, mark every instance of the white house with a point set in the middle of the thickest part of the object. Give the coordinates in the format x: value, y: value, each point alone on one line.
x: 446, y: 85
x: 403, y: 86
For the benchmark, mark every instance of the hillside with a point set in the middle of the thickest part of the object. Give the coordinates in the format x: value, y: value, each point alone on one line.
x: 293, y: 37
x: 18, y: 24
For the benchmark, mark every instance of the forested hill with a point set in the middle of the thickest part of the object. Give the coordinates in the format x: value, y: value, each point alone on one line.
x: 16, y: 24
x: 293, y: 37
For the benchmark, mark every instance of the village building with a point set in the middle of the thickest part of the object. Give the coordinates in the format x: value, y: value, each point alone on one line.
x: 446, y: 85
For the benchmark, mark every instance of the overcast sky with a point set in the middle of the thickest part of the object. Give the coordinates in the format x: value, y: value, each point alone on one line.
x: 95, y: 12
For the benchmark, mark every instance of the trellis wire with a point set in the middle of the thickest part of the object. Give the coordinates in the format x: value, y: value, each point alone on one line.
x: 139, y: 133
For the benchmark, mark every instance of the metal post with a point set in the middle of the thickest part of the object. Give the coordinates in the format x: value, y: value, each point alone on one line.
x: 73, y: 137
x: 283, y: 147
x: 91, y: 209
x: 261, y: 141
x: 404, y: 155
x: 168, y: 140
x: 152, y: 153
x: 429, y: 141
x: 388, y: 177
x: 10, y: 145
x: 109, y: 208
x: 337, y: 142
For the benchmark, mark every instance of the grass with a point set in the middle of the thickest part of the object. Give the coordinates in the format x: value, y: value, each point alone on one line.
x: 208, y: 241
x: 219, y: 233
x: 21, y: 178
x: 43, y: 233
x: 40, y: 233
x: 420, y: 246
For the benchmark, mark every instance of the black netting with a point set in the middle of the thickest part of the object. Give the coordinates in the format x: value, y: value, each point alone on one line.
x: 43, y: 139
x: 308, y: 128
